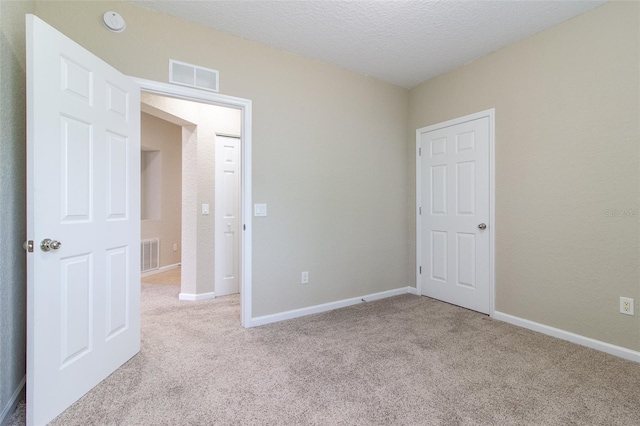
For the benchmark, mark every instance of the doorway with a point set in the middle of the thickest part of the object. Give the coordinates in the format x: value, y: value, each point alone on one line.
x: 199, y: 184
x: 245, y: 107
x: 455, y: 211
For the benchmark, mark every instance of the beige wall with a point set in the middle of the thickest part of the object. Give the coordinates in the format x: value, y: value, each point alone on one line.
x: 160, y: 135
x: 567, y: 145
x: 198, y: 267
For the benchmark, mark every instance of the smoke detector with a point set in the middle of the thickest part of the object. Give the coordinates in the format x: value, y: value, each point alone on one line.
x: 114, y: 21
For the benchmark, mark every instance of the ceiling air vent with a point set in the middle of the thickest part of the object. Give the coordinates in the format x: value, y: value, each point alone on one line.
x: 193, y: 76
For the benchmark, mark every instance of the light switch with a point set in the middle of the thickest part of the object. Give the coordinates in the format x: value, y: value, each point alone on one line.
x: 205, y: 209
x: 260, y: 209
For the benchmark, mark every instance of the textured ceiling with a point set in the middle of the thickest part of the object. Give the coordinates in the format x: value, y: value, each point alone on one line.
x: 402, y: 42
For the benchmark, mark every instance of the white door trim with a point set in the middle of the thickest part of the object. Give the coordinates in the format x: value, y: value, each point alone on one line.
x: 490, y: 113
x: 244, y: 105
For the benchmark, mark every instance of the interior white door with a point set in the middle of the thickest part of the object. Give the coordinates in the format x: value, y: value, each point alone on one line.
x: 83, y: 180
x: 455, y: 213
x: 227, y: 215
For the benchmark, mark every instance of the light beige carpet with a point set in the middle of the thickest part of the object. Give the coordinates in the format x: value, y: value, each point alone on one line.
x: 407, y: 360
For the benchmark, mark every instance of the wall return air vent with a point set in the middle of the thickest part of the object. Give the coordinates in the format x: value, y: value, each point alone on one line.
x: 149, y: 254
x: 193, y: 76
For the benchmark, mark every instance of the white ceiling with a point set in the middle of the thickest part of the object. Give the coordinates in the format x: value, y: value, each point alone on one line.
x: 402, y: 42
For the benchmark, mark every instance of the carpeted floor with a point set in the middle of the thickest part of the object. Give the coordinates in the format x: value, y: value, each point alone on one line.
x: 406, y: 360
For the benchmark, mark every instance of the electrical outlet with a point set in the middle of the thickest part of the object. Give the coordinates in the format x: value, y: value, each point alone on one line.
x: 626, y: 306
x: 175, y: 246
x: 305, y: 277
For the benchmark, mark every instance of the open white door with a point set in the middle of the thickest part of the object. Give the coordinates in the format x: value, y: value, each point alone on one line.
x: 83, y: 180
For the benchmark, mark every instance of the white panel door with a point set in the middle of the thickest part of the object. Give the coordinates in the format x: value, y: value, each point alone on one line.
x: 227, y: 215
x: 455, y: 213
x: 83, y: 160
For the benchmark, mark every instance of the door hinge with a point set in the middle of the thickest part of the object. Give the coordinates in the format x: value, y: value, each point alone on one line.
x: 420, y: 151
x: 420, y: 210
x: 28, y: 246
x: 244, y: 227
x: 421, y: 270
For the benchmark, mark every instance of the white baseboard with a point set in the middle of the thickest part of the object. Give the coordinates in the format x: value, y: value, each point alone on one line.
x: 412, y: 290
x: 161, y: 270
x: 201, y: 296
x: 296, y: 313
x: 568, y: 336
x: 8, y: 410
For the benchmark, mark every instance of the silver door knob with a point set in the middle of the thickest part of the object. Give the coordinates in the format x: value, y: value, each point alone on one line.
x: 48, y: 244
x: 482, y: 226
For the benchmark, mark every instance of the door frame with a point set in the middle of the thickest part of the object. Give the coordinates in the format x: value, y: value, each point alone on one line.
x: 245, y: 107
x: 490, y: 113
